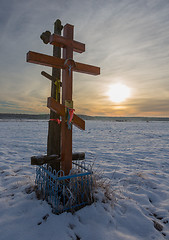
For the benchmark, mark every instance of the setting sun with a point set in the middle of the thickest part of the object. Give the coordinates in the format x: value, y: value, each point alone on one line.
x: 118, y: 92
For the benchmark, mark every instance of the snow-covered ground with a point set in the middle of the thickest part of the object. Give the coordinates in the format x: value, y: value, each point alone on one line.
x: 133, y: 158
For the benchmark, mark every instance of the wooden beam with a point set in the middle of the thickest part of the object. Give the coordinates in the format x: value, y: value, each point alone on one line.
x: 55, y: 106
x: 46, y: 60
x: 43, y: 159
x: 50, y: 61
x: 67, y: 86
x: 60, y: 41
x: 54, y: 129
x: 85, y: 68
x: 48, y: 76
x: 60, y: 109
x: 78, y: 122
x: 78, y: 156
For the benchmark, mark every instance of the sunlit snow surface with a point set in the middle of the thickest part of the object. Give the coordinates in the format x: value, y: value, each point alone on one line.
x: 133, y: 156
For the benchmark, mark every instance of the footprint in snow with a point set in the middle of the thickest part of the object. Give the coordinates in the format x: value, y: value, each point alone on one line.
x: 44, y: 219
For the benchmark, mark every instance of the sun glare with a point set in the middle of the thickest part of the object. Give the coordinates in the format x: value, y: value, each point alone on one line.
x: 118, y: 92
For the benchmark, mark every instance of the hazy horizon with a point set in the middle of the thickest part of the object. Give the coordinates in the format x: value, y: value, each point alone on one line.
x: 2, y: 115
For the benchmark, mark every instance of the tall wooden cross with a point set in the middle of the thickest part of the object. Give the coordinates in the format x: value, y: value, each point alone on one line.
x: 68, y: 65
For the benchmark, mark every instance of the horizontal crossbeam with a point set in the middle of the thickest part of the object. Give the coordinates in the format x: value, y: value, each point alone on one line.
x: 60, y: 110
x: 60, y: 41
x: 50, y: 61
x: 43, y: 159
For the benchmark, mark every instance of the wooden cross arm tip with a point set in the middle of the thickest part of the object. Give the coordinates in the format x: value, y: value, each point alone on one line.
x: 60, y: 41
x: 85, y: 68
x: 46, y: 60
x: 78, y: 122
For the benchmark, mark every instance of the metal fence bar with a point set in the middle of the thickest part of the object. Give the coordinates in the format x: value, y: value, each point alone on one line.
x: 65, y: 193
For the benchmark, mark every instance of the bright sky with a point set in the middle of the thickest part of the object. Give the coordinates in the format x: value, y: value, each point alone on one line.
x: 127, y: 39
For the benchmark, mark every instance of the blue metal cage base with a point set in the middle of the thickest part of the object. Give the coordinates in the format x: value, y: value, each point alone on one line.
x: 65, y: 193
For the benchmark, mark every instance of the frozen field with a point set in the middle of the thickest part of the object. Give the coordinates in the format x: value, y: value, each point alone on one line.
x: 132, y: 156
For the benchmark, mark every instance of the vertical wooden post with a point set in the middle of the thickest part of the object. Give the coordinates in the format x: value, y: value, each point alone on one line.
x: 53, y: 145
x: 67, y: 95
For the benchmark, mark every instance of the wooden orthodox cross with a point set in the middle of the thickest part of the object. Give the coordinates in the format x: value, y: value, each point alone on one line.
x: 68, y: 65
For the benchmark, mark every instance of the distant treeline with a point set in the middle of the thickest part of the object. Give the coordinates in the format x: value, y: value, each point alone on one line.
x: 23, y: 116
x: 9, y: 116
x: 127, y: 119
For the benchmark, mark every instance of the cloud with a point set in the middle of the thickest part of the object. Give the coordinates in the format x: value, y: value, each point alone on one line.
x: 128, y: 39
